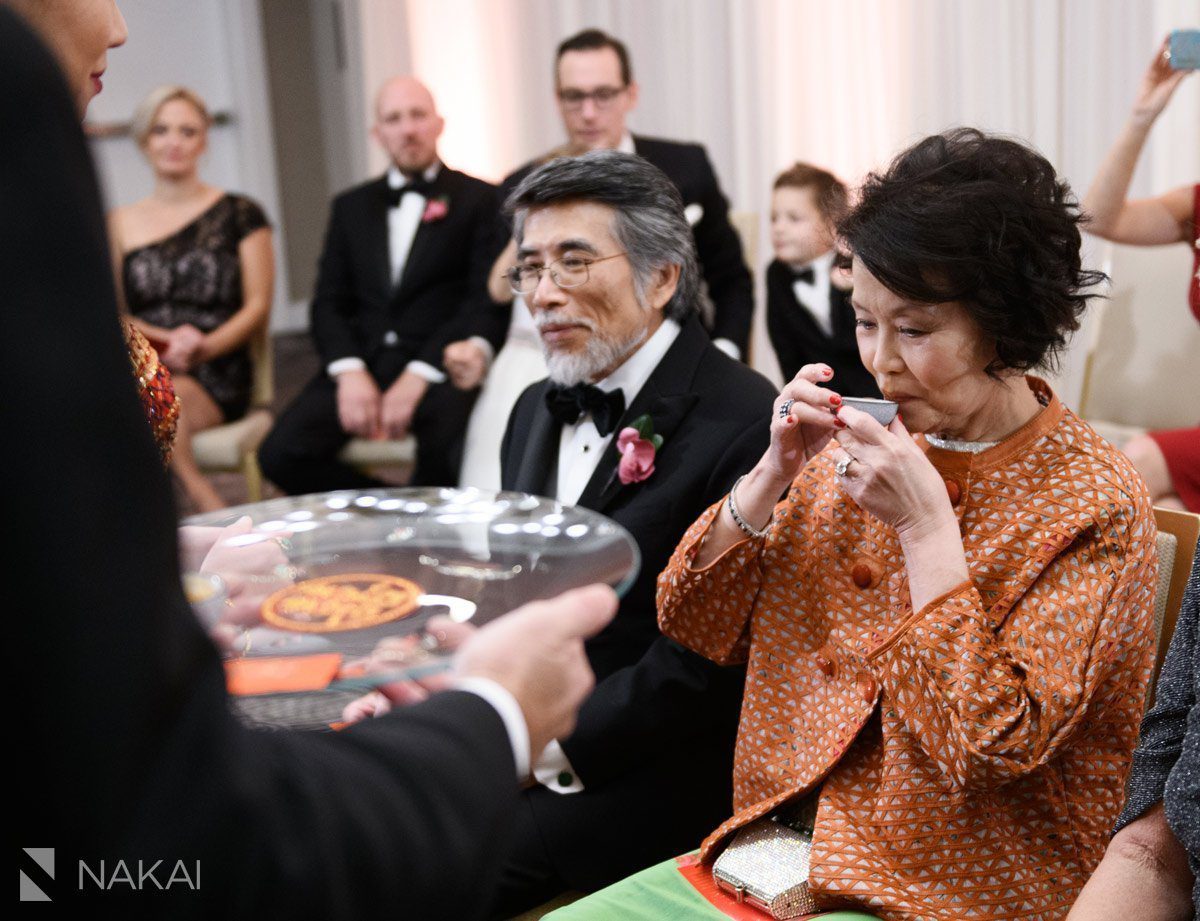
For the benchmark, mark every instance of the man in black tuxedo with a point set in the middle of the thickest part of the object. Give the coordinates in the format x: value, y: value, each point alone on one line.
x: 401, y: 254
x: 595, y: 93
x: 128, y: 750
x: 607, y: 265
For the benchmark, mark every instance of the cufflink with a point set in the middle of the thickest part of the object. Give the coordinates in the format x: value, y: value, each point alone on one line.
x: 390, y: 337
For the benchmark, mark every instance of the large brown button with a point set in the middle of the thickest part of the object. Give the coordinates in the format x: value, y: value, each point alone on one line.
x: 954, y: 491
x: 862, y: 575
x: 867, y: 687
x: 827, y: 663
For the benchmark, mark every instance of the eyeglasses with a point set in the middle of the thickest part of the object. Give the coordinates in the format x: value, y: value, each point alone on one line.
x: 568, y: 272
x: 602, y: 97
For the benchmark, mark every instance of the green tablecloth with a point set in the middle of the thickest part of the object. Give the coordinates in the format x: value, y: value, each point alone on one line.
x: 660, y: 893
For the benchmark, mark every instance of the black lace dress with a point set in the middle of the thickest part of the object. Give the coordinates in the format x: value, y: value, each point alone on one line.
x: 195, y: 276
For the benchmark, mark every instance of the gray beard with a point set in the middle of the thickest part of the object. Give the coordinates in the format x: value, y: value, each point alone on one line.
x: 601, y: 354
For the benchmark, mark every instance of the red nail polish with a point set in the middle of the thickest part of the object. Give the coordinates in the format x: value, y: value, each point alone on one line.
x: 838, y: 422
x: 835, y: 400
x: 791, y: 420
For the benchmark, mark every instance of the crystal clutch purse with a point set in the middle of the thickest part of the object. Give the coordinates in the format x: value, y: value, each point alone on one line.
x: 767, y: 866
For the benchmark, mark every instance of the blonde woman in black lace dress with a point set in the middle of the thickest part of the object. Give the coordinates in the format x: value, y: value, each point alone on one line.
x: 196, y: 265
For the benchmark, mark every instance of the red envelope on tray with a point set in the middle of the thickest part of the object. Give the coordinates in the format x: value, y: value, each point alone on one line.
x: 278, y: 674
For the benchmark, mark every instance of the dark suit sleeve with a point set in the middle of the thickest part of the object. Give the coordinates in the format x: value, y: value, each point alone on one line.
x: 720, y: 251
x: 649, y: 708
x: 335, y: 326
x: 458, y: 321
x: 127, y: 749
x: 483, y: 316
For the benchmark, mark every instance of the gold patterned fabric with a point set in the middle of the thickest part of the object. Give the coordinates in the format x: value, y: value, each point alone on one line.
x: 972, y: 754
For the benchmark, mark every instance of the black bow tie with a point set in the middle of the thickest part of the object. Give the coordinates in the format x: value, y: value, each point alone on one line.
x: 418, y: 184
x: 567, y: 404
x: 805, y: 275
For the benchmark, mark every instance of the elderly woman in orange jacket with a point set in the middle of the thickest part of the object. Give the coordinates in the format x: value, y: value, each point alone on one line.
x: 948, y: 635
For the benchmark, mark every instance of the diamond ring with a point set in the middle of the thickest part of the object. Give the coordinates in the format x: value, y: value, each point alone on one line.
x: 843, y: 465
x: 784, y: 408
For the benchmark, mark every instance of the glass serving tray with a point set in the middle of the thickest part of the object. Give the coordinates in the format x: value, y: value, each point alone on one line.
x: 301, y: 592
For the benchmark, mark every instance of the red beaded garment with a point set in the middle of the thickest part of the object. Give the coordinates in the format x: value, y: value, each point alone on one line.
x: 155, y: 389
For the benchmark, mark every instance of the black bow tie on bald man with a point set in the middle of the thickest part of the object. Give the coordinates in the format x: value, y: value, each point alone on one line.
x: 806, y: 275
x: 418, y: 184
x: 568, y: 404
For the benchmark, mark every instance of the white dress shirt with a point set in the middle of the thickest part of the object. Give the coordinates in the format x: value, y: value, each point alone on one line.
x: 814, y: 295
x: 581, y: 445
x: 403, y: 222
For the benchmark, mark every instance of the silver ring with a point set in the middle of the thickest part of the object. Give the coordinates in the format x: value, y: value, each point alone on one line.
x: 284, y: 544
x: 784, y: 408
x: 843, y: 465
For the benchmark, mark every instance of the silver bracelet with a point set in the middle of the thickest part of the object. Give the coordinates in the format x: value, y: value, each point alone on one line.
x: 737, y: 516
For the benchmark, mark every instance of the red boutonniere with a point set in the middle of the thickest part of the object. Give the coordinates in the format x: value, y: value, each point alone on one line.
x: 435, y: 209
x: 638, y: 446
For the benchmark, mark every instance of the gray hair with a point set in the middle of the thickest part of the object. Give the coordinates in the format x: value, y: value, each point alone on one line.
x: 649, y: 223
x: 147, y: 110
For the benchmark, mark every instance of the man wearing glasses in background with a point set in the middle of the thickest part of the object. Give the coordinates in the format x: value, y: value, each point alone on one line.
x: 596, y: 92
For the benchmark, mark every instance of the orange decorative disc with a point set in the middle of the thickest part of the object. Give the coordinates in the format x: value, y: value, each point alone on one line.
x: 347, y: 602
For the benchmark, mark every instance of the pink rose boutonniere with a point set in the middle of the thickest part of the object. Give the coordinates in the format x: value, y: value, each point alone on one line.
x: 638, y: 445
x: 435, y: 209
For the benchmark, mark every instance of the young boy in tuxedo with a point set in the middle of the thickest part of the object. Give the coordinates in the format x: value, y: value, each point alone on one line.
x: 809, y: 317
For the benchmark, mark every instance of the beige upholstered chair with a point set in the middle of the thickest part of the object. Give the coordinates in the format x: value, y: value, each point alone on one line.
x: 1177, y: 537
x: 1140, y: 370
x: 746, y: 224
x: 367, y: 454
x: 234, y: 445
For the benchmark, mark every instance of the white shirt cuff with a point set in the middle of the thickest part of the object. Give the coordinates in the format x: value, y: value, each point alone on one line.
x: 554, y: 771
x: 427, y: 371
x: 506, y: 705
x: 727, y: 346
x: 484, y: 346
x: 334, y: 368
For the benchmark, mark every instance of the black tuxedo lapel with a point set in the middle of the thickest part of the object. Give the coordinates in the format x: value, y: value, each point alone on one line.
x: 426, y: 239
x: 376, y: 233
x: 665, y: 397
x: 665, y: 411
x: 539, y: 459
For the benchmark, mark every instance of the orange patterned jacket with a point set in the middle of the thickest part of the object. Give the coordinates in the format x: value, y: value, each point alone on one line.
x: 971, y: 755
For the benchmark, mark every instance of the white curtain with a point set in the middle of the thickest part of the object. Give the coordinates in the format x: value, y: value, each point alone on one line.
x: 765, y: 82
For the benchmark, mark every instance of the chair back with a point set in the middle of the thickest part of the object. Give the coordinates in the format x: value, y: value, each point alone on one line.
x: 1178, y: 533
x: 262, y: 367
x: 1140, y: 344
x: 746, y: 225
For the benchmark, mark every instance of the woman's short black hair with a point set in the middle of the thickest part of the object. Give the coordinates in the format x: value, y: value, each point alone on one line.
x: 982, y: 220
